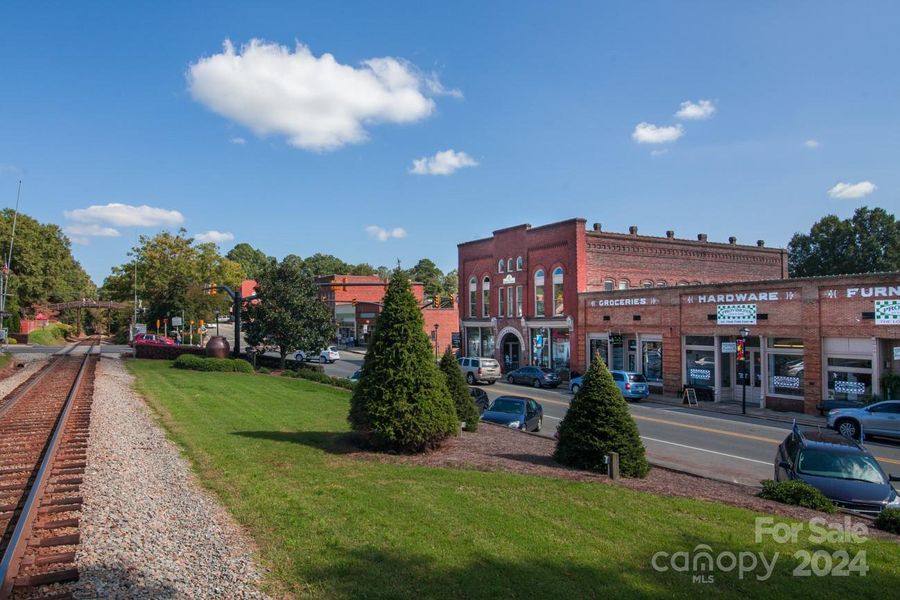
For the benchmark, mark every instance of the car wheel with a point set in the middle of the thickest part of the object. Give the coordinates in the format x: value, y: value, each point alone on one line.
x: 510, y: 379
x: 848, y: 428
x: 540, y: 423
x: 492, y: 382
x: 575, y: 388
x: 536, y: 383
x: 470, y: 379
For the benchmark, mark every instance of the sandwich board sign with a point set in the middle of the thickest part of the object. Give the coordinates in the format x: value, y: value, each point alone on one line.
x: 887, y: 312
x: 736, y: 314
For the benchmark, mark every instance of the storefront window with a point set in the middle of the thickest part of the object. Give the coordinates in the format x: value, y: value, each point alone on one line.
x: 618, y: 354
x: 473, y: 341
x: 540, y: 347
x: 600, y: 347
x: 785, y: 366
x: 501, y: 302
x: 699, y: 340
x: 700, y: 367
x: 486, y: 297
x: 849, y: 379
x: 487, y: 342
x: 651, y: 353
x: 560, y: 348
x: 518, y: 300
x: 473, y: 295
x: 539, y: 294
x: 558, y: 307
x: 509, y: 302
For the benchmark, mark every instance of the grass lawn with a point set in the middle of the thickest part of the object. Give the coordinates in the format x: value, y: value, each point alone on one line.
x: 332, y: 526
x: 5, y: 357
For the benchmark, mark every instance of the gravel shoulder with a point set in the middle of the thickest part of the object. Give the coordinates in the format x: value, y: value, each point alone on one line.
x: 148, y: 530
x: 32, y: 361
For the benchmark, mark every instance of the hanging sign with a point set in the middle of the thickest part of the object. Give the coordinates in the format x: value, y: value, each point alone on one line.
x: 887, y: 312
x: 729, y: 347
x: 735, y: 314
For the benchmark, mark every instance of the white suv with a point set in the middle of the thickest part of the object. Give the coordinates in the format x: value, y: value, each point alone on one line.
x: 480, y: 369
x: 328, y: 355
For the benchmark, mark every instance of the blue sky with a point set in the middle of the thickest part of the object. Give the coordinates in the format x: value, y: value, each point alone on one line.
x: 99, y: 105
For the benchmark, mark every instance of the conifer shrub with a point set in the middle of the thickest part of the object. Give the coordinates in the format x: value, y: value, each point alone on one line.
x: 401, y: 402
x: 598, y: 422
x: 466, y: 411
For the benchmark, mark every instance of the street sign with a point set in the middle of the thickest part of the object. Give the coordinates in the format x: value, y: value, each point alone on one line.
x: 729, y: 347
x: 177, y: 322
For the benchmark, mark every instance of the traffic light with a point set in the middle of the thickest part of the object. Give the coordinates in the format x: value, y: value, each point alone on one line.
x: 201, y: 322
x: 437, y: 301
x: 450, y: 301
x: 213, y: 290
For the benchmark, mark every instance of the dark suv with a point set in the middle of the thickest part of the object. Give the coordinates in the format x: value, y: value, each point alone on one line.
x: 839, y: 467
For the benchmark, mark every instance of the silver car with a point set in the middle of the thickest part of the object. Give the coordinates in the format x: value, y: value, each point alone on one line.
x: 879, y: 419
x: 479, y: 369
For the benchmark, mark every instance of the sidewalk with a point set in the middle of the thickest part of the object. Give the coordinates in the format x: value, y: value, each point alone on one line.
x: 352, y: 349
x: 734, y: 408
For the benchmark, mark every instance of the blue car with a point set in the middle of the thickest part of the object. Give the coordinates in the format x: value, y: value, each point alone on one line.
x: 515, y: 412
x: 632, y: 385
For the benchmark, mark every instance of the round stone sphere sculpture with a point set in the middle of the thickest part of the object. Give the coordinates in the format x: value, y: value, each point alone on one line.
x: 217, y: 347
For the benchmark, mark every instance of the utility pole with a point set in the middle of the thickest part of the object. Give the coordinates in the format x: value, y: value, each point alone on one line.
x: 4, y: 280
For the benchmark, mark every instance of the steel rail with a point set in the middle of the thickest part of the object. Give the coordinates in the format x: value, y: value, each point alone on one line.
x: 10, y: 400
x: 19, y: 540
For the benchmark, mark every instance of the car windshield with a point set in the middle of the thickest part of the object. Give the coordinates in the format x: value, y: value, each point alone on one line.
x: 508, y: 405
x: 839, y: 466
x: 637, y: 378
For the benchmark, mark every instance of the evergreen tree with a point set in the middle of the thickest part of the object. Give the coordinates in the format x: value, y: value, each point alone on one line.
x: 401, y: 402
x: 459, y: 391
x: 597, y: 423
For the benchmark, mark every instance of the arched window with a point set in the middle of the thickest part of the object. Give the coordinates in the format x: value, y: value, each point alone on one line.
x: 509, y: 265
x: 539, y: 294
x: 624, y: 284
x: 683, y: 283
x: 486, y: 296
x: 661, y: 283
x: 609, y: 285
x: 647, y: 283
x: 520, y: 264
x: 500, y: 266
x: 558, y: 305
x: 473, y: 296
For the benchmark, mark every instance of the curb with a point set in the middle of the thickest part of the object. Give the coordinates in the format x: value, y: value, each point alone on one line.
x: 788, y: 420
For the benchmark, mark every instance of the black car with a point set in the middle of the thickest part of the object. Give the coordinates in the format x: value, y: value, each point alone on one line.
x: 480, y: 397
x: 534, y: 376
x: 515, y: 412
x: 840, y: 467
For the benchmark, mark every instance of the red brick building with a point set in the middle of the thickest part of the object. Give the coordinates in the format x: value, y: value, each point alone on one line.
x: 519, y: 289
x: 356, y: 308
x: 809, y: 339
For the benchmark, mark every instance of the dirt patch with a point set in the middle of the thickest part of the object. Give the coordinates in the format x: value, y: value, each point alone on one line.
x: 494, y: 448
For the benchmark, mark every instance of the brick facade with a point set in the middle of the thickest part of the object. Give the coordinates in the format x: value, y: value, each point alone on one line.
x: 801, y: 324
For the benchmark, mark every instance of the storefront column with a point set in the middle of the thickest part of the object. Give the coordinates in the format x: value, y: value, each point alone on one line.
x: 876, y: 369
x: 764, y: 367
x: 717, y: 365
x: 638, y: 354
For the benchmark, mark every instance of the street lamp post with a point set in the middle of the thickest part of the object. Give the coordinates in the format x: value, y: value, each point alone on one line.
x: 217, y: 323
x: 744, y: 333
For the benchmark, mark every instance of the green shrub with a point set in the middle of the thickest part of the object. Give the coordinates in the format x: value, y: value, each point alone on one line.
x: 401, y: 402
x: 466, y: 411
x: 598, y: 422
x: 11, y: 341
x: 798, y: 493
x: 319, y: 377
x: 263, y: 370
x: 51, y: 335
x: 889, y: 520
x: 221, y: 365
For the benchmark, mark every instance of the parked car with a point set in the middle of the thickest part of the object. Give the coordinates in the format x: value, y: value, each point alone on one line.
x: 575, y: 384
x: 480, y: 397
x: 840, y: 467
x: 632, y: 385
x: 879, y: 419
x: 478, y: 370
x: 150, y: 339
x: 356, y: 375
x: 515, y: 412
x: 534, y: 376
x: 328, y: 355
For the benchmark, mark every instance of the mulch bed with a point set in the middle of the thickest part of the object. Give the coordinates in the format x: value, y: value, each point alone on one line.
x: 495, y: 448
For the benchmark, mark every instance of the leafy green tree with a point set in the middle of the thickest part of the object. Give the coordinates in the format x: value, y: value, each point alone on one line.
x: 252, y: 260
x: 450, y: 284
x: 325, y: 264
x: 427, y: 273
x: 466, y: 410
x: 401, y: 402
x: 868, y: 242
x: 290, y: 314
x: 598, y: 422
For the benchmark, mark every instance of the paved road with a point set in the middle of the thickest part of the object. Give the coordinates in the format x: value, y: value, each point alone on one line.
x: 728, y: 447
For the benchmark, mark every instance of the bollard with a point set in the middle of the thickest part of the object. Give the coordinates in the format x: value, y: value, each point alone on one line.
x: 612, y: 465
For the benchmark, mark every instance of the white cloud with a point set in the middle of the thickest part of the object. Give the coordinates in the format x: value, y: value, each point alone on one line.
x: 238, y: 140
x: 81, y: 241
x: 852, y: 190
x: 659, y: 152
x: 648, y: 133
x: 703, y: 109
x: 91, y: 229
x: 216, y: 237
x: 811, y: 143
x: 316, y: 102
x: 444, y: 162
x: 125, y: 215
x: 382, y: 235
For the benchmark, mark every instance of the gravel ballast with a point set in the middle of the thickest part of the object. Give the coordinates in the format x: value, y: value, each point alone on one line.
x: 147, y: 529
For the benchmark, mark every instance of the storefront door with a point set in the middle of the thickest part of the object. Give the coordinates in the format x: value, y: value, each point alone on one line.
x: 511, y: 352
x: 754, y: 376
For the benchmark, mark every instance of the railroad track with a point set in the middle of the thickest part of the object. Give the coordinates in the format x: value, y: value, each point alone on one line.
x: 43, y: 450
